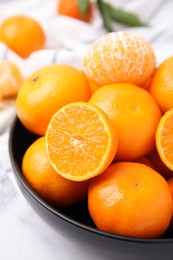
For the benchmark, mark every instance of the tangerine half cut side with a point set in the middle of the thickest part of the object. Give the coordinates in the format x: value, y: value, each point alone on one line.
x: 81, y: 141
x: 164, y: 139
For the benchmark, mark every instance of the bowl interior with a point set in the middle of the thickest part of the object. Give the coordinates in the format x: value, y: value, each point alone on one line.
x: 78, y: 212
x: 19, y: 141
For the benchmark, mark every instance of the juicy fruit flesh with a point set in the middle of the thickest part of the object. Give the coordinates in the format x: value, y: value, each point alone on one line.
x: 81, y: 139
x: 166, y: 141
x: 80, y: 143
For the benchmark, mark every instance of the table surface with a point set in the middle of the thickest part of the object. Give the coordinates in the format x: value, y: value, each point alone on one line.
x: 23, y: 235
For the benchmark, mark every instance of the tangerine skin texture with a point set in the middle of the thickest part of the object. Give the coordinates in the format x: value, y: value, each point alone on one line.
x: 11, y: 78
x: 130, y: 199
x: 46, y: 91
x: 119, y: 57
x: 71, y: 9
x: 22, y: 34
x: 161, y: 86
x: 135, y: 115
x: 45, y: 181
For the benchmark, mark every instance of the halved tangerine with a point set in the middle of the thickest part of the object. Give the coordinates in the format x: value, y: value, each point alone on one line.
x: 164, y: 139
x: 81, y: 141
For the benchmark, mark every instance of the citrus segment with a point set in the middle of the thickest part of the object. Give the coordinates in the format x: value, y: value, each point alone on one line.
x: 11, y: 78
x: 164, y: 139
x: 81, y: 141
x: 119, y: 57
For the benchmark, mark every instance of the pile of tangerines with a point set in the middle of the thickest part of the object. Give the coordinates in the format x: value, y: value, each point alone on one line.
x: 104, y: 133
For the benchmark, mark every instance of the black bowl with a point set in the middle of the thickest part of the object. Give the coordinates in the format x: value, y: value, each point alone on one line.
x: 75, y: 222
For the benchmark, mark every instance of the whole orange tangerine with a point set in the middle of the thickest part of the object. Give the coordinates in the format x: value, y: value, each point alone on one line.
x: 130, y: 199
x: 22, y: 34
x: 43, y: 179
x: 47, y: 90
x: 135, y: 115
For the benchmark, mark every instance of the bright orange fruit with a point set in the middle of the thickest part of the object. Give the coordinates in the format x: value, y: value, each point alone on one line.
x: 22, y: 34
x: 119, y: 57
x: 43, y: 179
x: 135, y: 115
x: 47, y: 90
x: 162, y: 85
x: 81, y: 141
x: 130, y: 199
x: 164, y: 137
x: 11, y: 78
x: 71, y: 8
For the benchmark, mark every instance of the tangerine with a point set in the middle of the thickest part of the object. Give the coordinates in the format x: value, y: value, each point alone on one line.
x: 47, y: 90
x: 164, y: 135
x: 71, y: 8
x: 22, y: 34
x: 119, y: 57
x: 129, y: 199
x: 161, y: 86
x: 43, y: 179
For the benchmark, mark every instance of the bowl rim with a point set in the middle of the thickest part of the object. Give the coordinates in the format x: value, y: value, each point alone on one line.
x: 57, y: 213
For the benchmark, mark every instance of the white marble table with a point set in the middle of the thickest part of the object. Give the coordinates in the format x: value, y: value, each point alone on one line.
x: 23, y: 235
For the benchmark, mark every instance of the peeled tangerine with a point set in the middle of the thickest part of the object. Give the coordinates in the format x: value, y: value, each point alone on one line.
x: 119, y: 57
x: 11, y: 78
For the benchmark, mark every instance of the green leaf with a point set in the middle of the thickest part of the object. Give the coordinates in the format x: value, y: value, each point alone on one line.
x: 83, y: 7
x: 105, y: 13
x: 125, y: 17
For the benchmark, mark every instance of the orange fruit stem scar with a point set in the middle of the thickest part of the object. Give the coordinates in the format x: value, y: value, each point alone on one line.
x: 22, y: 34
x: 161, y: 86
x: 81, y: 141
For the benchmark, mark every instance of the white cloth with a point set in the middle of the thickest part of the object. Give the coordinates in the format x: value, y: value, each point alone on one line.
x: 67, y: 39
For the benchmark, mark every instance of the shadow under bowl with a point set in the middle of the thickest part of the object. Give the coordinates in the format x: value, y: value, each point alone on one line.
x: 74, y: 222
